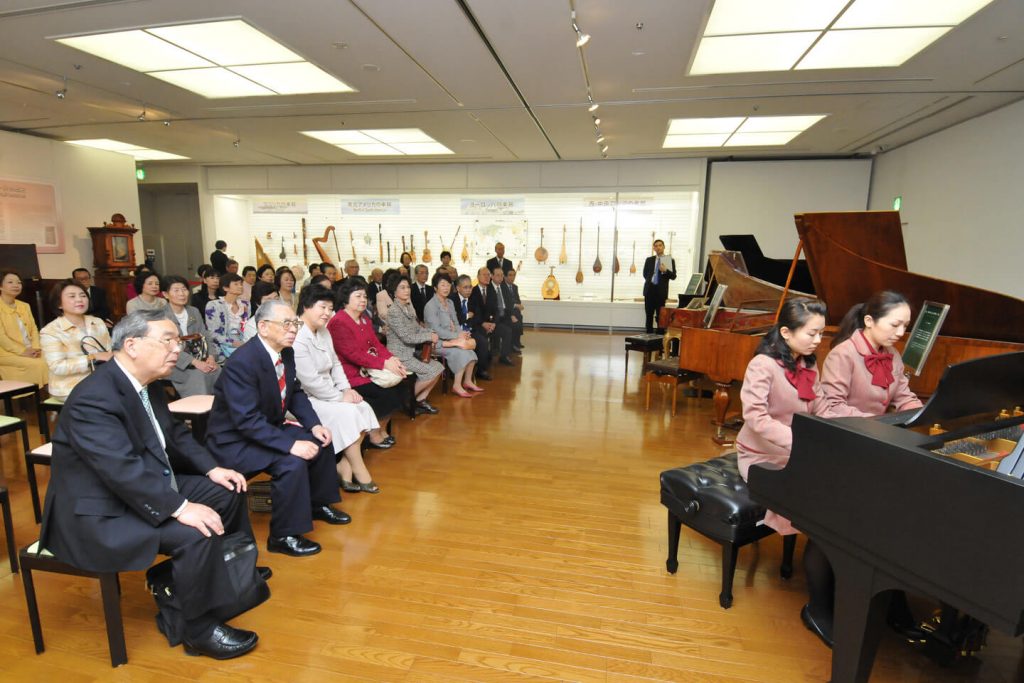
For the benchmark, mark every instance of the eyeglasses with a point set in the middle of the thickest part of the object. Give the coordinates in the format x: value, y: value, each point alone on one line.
x: 169, y: 343
x: 293, y: 324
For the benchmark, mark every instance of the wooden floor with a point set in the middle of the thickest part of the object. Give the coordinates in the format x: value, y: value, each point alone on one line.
x: 518, y: 537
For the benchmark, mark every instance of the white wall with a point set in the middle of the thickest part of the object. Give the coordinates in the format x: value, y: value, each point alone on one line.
x: 963, y: 200
x: 232, y: 218
x: 761, y: 197
x: 91, y: 185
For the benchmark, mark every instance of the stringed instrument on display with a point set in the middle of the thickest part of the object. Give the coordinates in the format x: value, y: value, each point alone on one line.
x: 404, y: 250
x: 563, y: 257
x: 261, y: 256
x: 412, y: 248
x: 305, y: 250
x: 427, y: 257
x: 597, y: 261
x: 337, y: 249
x: 284, y: 252
x: 454, y: 237
x: 380, y: 242
x: 549, y: 289
x: 317, y: 241
x: 465, y: 250
x: 541, y: 254
x: 615, y: 252
x: 632, y: 267
x: 295, y: 245
x: 579, y: 268
x: 352, y: 242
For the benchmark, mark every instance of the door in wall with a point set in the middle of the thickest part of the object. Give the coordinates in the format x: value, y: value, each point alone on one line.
x: 171, y: 225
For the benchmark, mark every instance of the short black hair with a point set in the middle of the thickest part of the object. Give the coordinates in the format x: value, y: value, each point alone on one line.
x: 311, y: 295
x: 227, y: 279
x: 231, y: 262
x: 247, y: 269
x: 345, y: 292
x: 260, y: 290
x: 438, y: 276
x: 281, y: 272
x: 326, y: 264
x: 141, y: 277
x: 220, y: 244
x: 446, y: 253
x: 58, y: 291
x: 262, y: 269
x: 79, y: 270
x: 168, y: 280
x: 313, y: 267
x: 391, y: 283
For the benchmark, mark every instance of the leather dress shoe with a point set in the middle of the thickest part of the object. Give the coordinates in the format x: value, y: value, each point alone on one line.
x: 505, y: 360
x: 383, y: 445
x: 265, y: 573
x: 325, y: 513
x: 484, y: 375
x: 424, y: 407
x: 389, y: 440
x: 296, y: 546
x: 222, y: 642
x: 823, y: 631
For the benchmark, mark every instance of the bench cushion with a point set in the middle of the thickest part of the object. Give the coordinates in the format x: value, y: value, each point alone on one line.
x: 644, y: 342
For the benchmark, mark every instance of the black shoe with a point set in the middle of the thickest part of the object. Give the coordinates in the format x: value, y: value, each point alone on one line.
x: 505, y: 360
x: 425, y: 408
x: 389, y: 440
x: 350, y: 487
x: 325, y: 513
x: 368, y: 487
x: 484, y: 375
x: 296, y: 546
x: 222, y: 642
x: 383, y: 445
x: 820, y: 629
x: 265, y: 573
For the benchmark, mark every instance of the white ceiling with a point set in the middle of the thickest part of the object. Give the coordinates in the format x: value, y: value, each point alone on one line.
x: 424, y: 64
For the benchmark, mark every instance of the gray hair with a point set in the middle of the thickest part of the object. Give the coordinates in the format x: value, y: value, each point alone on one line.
x: 266, y: 310
x: 463, y: 279
x: 135, y: 325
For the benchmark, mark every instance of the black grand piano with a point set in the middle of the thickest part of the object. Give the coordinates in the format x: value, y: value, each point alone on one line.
x: 901, y: 506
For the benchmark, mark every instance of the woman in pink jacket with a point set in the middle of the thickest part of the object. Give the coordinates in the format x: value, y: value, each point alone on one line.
x: 782, y: 380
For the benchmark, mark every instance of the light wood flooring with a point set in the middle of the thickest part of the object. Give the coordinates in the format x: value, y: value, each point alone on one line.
x: 518, y: 537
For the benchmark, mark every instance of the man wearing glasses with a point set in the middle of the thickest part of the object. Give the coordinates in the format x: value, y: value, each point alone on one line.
x: 128, y: 482
x: 250, y: 431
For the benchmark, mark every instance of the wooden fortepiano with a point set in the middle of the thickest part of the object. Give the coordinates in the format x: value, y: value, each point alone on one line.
x: 773, y: 270
x: 892, y: 513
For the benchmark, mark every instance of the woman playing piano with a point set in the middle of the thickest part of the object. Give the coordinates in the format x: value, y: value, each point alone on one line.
x: 782, y: 380
x: 862, y: 375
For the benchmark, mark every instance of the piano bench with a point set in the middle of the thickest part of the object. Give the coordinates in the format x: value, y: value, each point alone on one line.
x: 712, y: 498
x: 647, y: 344
x: 667, y: 371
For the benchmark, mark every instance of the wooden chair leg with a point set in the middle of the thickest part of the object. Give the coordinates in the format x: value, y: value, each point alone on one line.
x: 675, y: 394
x: 672, y: 563
x: 110, y: 588
x: 730, y: 552
x: 33, y: 608
x: 647, y: 381
x: 12, y: 549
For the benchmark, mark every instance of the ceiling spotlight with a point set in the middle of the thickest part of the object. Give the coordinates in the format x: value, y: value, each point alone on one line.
x: 62, y: 93
x: 581, y: 37
x: 600, y: 139
x: 142, y: 116
x: 167, y: 123
x: 597, y: 121
x: 237, y: 143
x: 604, y: 150
x: 593, y: 107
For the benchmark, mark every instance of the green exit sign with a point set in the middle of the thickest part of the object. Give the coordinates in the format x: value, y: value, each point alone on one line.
x: 897, y: 202
x: 140, y: 174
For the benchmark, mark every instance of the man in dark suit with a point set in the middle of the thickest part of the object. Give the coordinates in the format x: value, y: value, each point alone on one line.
x: 249, y: 431
x: 506, y: 316
x: 376, y: 284
x: 517, y: 303
x: 219, y: 257
x: 97, y: 295
x: 128, y: 482
x: 658, y: 271
x: 499, y: 260
x: 422, y: 292
x: 471, y: 315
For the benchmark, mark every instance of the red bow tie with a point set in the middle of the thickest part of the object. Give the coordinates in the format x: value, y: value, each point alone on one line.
x: 879, y: 364
x: 803, y: 379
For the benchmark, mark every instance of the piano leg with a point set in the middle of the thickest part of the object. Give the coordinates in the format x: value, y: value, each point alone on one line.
x: 721, y: 401
x: 859, y: 618
x: 730, y: 552
x: 672, y: 563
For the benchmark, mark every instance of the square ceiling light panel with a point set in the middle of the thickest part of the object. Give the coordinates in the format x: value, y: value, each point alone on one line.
x: 140, y: 153
x: 215, y: 59
x: 381, y: 141
x: 737, y: 131
x: 784, y: 35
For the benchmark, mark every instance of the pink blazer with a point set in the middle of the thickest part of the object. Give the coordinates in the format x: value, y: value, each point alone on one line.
x: 769, y: 403
x: 846, y: 383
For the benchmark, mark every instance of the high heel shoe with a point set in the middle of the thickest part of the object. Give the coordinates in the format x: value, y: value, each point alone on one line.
x: 383, y: 445
x: 350, y: 487
x: 368, y: 487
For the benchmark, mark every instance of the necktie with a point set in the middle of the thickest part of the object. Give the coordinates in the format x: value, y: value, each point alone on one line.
x: 483, y: 293
x: 465, y: 310
x: 501, y: 301
x: 657, y: 271
x: 281, y: 384
x: 144, y: 395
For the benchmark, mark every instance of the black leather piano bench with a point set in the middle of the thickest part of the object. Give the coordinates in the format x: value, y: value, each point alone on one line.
x: 711, y: 498
x: 647, y: 344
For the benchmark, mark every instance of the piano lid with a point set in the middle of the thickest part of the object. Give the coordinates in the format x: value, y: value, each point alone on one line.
x: 852, y: 255
x: 975, y: 387
x: 773, y: 270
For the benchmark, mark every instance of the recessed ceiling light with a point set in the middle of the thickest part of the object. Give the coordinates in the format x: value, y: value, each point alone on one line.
x: 136, y: 50
x: 679, y: 141
x: 295, y: 78
x: 731, y: 17
x: 721, y: 124
x: 140, y: 153
x: 872, y: 47
x: 227, y: 43
x: 886, y: 13
x: 773, y: 124
x: 762, y: 52
x: 737, y: 131
x: 213, y: 83
x: 741, y: 139
x: 382, y: 141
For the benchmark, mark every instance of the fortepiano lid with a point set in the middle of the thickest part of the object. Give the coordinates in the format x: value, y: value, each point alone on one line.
x: 978, y: 386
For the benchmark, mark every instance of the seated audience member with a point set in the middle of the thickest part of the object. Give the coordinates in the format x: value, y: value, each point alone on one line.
x: 781, y: 381
x: 261, y: 292
x: 130, y: 290
x: 232, y: 267
x: 382, y: 302
x: 405, y: 337
x: 340, y: 408
x: 148, y: 285
x: 209, y: 290
x: 351, y: 268
x: 456, y: 345
x: 471, y: 317
x: 359, y: 350
x: 98, y: 305
x: 73, y: 342
x: 506, y: 316
x: 487, y: 306
x: 314, y: 270
x: 249, y: 431
x: 517, y: 303
x: 227, y: 318
x: 284, y: 285
x: 248, y: 280
x: 376, y: 283
x: 321, y: 281
x: 191, y: 376
x: 329, y: 270
x: 128, y: 481
x: 421, y: 291
x: 265, y: 273
x: 21, y: 358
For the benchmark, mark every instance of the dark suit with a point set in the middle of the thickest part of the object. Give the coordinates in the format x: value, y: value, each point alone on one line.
x: 655, y: 294
x: 474, y: 323
x: 503, y: 312
x: 248, y: 433
x: 420, y: 300
x: 517, y: 328
x: 493, y: 262
x: 219, y: 261
x: 110, y: 499
x: 98, y: 303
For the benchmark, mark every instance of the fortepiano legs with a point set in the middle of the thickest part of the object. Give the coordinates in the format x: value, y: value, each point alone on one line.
x: 859, y: 618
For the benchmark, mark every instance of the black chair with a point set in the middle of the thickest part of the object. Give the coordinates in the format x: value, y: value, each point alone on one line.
x: 33, y: 559
x: 50, y: 405
x: 12, y: 550
x: 712, y: 499
x: 37, y: 456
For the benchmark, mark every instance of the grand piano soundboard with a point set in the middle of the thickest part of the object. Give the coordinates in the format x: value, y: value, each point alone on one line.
x: 930, y: 502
